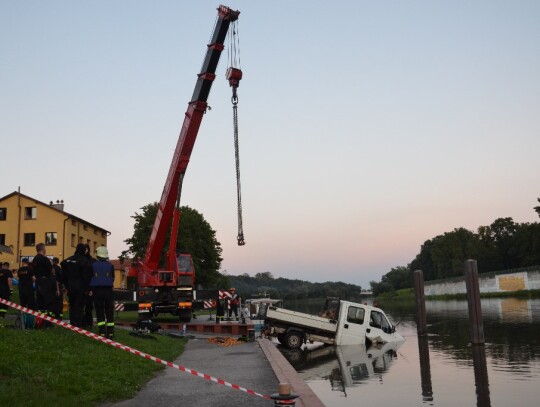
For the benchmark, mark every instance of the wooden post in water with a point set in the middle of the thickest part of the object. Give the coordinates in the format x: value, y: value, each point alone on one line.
x: 421, y: 320
x: 473, y: 299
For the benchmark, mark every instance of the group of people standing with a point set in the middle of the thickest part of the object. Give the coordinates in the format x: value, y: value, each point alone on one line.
x: 87, y: 281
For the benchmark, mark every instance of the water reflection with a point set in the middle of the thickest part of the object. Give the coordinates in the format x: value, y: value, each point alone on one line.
x: 342, y: 366
x: 442, y: 369
x: 425, y: 369
x: 481, y: 380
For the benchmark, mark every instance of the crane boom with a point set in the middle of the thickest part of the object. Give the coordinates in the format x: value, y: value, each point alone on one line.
x: 186, y: 139
x: 171, y: 289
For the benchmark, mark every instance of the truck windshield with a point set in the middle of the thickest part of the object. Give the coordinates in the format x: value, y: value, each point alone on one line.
x: 184, y: 263
x: 378, y: 320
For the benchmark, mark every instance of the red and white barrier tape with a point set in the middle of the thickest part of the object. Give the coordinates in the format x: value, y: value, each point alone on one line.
x: 131, y: 350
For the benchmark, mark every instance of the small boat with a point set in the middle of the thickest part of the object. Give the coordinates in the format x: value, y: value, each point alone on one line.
x: 255, y: 309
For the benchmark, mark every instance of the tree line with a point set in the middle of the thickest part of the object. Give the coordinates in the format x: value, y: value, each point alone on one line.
x: 264, y: 284
x: 502, y: 245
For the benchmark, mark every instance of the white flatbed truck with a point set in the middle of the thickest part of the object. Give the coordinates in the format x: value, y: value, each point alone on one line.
x: 340, y: 323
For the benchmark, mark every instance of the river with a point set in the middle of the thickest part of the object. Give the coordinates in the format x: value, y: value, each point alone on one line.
x: 441, y: 369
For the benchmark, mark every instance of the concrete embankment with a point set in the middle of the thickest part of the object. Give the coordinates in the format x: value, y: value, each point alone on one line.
x: 256, y: 366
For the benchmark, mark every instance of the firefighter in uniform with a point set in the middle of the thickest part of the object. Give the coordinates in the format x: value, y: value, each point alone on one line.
x: 101, y: 289
x: 45, y: 282
x: 233, y: 301
x: 75, y: 272
x: 27, y: 296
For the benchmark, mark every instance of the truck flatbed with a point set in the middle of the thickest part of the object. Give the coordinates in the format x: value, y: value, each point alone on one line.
x: 301, y: 319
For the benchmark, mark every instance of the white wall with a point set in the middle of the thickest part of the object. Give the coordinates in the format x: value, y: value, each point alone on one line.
x: 525, y: 280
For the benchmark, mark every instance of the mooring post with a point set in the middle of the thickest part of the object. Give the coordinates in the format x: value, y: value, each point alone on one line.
x: 473, y: 300
x: 284, y: 396
x: 421, y: 323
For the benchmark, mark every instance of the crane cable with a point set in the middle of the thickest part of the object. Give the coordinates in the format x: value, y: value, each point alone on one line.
x: 234, y: 74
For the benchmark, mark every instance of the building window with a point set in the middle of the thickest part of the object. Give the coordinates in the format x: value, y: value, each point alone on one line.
x: 103, y: 234
x: 3, y: 239
x: 95, y: 231
x: 73, y: 223
x: 85, y: 227
x: 3, y: 213
x: 30, y: 212
x: 50, y: 238
x: 73, y: 240
x: 80, y: 239
x: 29, y: 239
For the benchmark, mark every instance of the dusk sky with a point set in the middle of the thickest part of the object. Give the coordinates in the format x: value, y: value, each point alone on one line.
x: 366, y: 127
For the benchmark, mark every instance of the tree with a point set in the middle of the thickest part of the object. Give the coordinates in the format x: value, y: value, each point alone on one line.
x: 537, y: 208
x: 195, y: 236
x: 501, y: 234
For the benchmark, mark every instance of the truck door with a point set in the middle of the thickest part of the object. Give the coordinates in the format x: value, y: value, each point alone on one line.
x: 352, y: 327
x: 380, y: 330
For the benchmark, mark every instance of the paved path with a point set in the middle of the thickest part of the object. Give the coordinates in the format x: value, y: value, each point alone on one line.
x: 243, y: 364
x: 253, y: 365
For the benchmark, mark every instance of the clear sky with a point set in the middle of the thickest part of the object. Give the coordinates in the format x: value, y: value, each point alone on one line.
x: 366, y: 127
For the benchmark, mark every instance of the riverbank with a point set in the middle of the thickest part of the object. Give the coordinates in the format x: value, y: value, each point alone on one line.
x: 407, y: 295
x: 58, y: 367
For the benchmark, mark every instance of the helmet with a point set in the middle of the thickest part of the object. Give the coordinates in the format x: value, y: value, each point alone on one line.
x: 232, y: 289
x: 102, y: 252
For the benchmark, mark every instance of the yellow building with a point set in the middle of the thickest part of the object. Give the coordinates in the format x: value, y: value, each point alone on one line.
x: 25, y: 222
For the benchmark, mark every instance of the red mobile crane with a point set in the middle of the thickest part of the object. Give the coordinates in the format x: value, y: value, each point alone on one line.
x: 171, y: 290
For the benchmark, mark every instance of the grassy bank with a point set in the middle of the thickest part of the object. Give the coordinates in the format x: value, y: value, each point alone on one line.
x: 407, y: 295
x: 57, y: 367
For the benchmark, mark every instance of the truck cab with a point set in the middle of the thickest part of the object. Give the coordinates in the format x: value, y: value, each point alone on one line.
x: 359, y: 323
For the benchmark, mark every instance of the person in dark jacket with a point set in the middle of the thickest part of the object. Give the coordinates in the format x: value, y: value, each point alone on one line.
x: 45, y: 281
x: 88, y: 318
x: 27, y: 296
x: 76, y: 272
x: 6, y: 277
x: 59, y: 299
x: 101, y: 290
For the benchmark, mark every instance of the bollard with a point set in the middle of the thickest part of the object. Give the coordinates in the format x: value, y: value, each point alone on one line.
x: 421, y: 325
x: 473, y: 300
x: 284, y: 397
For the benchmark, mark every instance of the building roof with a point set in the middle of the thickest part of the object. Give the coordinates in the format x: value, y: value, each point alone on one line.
x: 69, y: 215
x: 121, y: 264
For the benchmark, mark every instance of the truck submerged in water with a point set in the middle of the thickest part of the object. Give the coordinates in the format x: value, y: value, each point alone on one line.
x: 339, y: 323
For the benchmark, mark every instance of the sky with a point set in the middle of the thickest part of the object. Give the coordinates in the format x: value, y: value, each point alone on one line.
x: 365, y: 127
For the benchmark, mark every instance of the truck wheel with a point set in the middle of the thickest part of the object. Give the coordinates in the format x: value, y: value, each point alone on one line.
x: 294, y: 340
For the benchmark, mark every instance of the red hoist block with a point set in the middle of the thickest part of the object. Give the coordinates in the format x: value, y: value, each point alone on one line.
x: 233, y: 76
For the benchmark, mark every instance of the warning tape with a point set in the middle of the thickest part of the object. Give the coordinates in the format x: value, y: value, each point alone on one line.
x: 131, y: 350
x: 118, y: 306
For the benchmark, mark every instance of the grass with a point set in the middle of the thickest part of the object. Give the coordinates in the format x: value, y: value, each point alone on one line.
x: 58, y: 367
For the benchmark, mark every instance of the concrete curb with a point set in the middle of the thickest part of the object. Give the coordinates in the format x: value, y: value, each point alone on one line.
x: 286, y: 374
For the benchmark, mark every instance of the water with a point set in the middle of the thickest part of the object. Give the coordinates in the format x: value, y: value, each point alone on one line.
x: 442, y: 369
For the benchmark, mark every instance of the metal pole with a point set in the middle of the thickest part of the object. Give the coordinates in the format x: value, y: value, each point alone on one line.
x: 473, y: 299
x: 421, y: 325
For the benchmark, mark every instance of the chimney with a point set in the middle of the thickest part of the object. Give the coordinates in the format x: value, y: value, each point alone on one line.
x: 58, y: 205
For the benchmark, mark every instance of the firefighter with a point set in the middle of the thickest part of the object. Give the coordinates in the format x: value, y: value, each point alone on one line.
x: 76, y: 271
x: 6, y: 277
x: 233, y: 301
x: 45, y: 282
x: 101, y: 290
x: 59, y: 299
x: 27, y: 296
